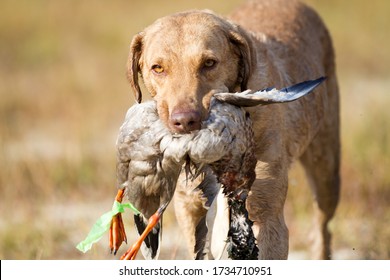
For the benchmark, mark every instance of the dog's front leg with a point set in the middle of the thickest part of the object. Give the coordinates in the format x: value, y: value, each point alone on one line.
x: 265, y: 206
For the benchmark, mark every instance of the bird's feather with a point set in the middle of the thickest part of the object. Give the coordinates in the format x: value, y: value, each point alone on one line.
x: 269, y: 95
x: 150, y: 248
x: 150, y: 158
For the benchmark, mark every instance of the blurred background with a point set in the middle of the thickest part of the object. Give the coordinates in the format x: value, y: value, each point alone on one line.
x: 63, y: 96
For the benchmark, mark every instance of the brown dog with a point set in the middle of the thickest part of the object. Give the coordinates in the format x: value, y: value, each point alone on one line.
x: 187, y: 57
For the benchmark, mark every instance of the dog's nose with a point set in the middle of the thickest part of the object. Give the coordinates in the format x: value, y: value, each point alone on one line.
x: 185, y: 121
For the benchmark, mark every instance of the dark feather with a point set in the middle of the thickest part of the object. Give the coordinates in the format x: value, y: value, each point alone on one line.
x: 200, y: 239
x: 241, y: 240
x: 150, y: 246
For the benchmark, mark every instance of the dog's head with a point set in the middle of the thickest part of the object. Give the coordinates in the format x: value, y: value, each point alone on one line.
x: 184, y: 59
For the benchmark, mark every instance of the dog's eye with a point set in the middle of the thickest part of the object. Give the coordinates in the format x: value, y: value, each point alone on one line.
x: 209, y: 63
x: 158, y: 69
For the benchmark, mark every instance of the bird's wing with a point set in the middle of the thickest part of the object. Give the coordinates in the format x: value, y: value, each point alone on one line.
x: 139, y: 118
x: 270, y: 95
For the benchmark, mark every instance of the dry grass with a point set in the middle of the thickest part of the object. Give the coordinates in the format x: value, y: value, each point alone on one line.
x: 63, y: 95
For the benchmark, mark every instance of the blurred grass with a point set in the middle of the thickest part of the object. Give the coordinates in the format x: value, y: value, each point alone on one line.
x: 63, y: 95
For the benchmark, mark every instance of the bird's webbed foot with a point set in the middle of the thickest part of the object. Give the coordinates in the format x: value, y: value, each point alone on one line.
x: 152, y: 222
x: 117, y: 234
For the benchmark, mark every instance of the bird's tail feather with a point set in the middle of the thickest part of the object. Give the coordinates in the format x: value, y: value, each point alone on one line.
x: 151, y: 246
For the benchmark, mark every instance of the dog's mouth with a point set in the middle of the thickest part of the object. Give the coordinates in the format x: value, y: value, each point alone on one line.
x: 185, y: 121
x: 188, y: 116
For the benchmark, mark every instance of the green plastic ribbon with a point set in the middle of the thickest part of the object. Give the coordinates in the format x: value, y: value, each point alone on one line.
x: 103, y: 224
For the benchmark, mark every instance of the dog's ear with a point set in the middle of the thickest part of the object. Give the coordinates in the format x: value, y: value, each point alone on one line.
x: 269, y: 95
x: 243, y: 46
x: 133, y: 65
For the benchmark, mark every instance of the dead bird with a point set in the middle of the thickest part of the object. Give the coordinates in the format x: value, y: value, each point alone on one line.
x: 148, y: 166
x: 150, y: 160
x: 226, y: 145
